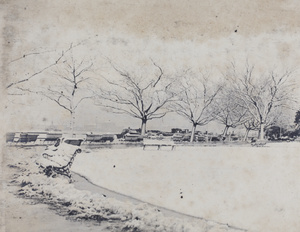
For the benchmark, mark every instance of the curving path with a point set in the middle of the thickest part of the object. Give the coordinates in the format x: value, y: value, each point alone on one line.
x: 83, y: 183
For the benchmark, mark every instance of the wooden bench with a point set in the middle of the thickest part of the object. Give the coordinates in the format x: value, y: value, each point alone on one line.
x: 158, y: 143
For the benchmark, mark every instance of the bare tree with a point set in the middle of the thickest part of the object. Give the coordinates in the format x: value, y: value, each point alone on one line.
x: 249, y: 125
x: 63, y: 87
x: 229, y: 110
x: 195, y: 97
x: 276, y: 117
x: 143, y: 96
x: 261, y: 92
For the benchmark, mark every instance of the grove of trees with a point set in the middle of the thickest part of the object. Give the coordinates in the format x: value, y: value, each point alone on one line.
x: 249, y: 96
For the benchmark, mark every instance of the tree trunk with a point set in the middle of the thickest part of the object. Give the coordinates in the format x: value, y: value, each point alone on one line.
x: 143, y: 126
x: 193, y: 132
x: 261, y: 131
x: 229, y: 137
x: 225, y: 130
x: 72, y: 115
x: 279, y: 132
x: 246, y: 135
x: 72, y: 124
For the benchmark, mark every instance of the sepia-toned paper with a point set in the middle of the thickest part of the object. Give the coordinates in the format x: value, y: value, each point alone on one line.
x: 141, y: 37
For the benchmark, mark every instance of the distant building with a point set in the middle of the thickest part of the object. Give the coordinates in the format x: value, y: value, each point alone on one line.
x: 176, y: 130
x: 179, y: 130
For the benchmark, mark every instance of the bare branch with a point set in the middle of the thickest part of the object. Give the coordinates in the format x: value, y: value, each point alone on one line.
x: 29, y: 54
x: 56, y: 100
x: 160, y: 75
x: 45, y: 68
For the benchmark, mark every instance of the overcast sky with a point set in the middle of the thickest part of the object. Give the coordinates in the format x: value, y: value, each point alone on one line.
x: 176, y: 34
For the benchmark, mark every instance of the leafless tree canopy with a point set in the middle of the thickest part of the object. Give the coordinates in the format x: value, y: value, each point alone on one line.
x: 72, y: 75
x: 229, y: 111
x: 67, y: 85
x: 195, y: 96
x: 261, y: 92
x: 143, y: 96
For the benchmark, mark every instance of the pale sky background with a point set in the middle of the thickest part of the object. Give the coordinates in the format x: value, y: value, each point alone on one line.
x: 176, y: 34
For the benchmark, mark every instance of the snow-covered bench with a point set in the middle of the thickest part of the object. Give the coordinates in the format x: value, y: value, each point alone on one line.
x: 259, y: 143
x: 159, y: 143
x: 58, y: 159
x: 61, y: 169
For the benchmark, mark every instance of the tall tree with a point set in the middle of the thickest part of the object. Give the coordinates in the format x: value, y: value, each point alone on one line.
x: 229, y: 110
x: 196, y: 94
x: 143, y: 96
x: 261, y: 92
x: 276, y: 117
x: 68, y: 85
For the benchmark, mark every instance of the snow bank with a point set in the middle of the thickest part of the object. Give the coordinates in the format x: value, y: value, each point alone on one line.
x: 250, y: 187
x: 84, y: 205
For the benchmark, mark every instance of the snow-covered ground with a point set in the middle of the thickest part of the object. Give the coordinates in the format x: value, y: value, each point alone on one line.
x: 78, y: 200
x: 256, y: 188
